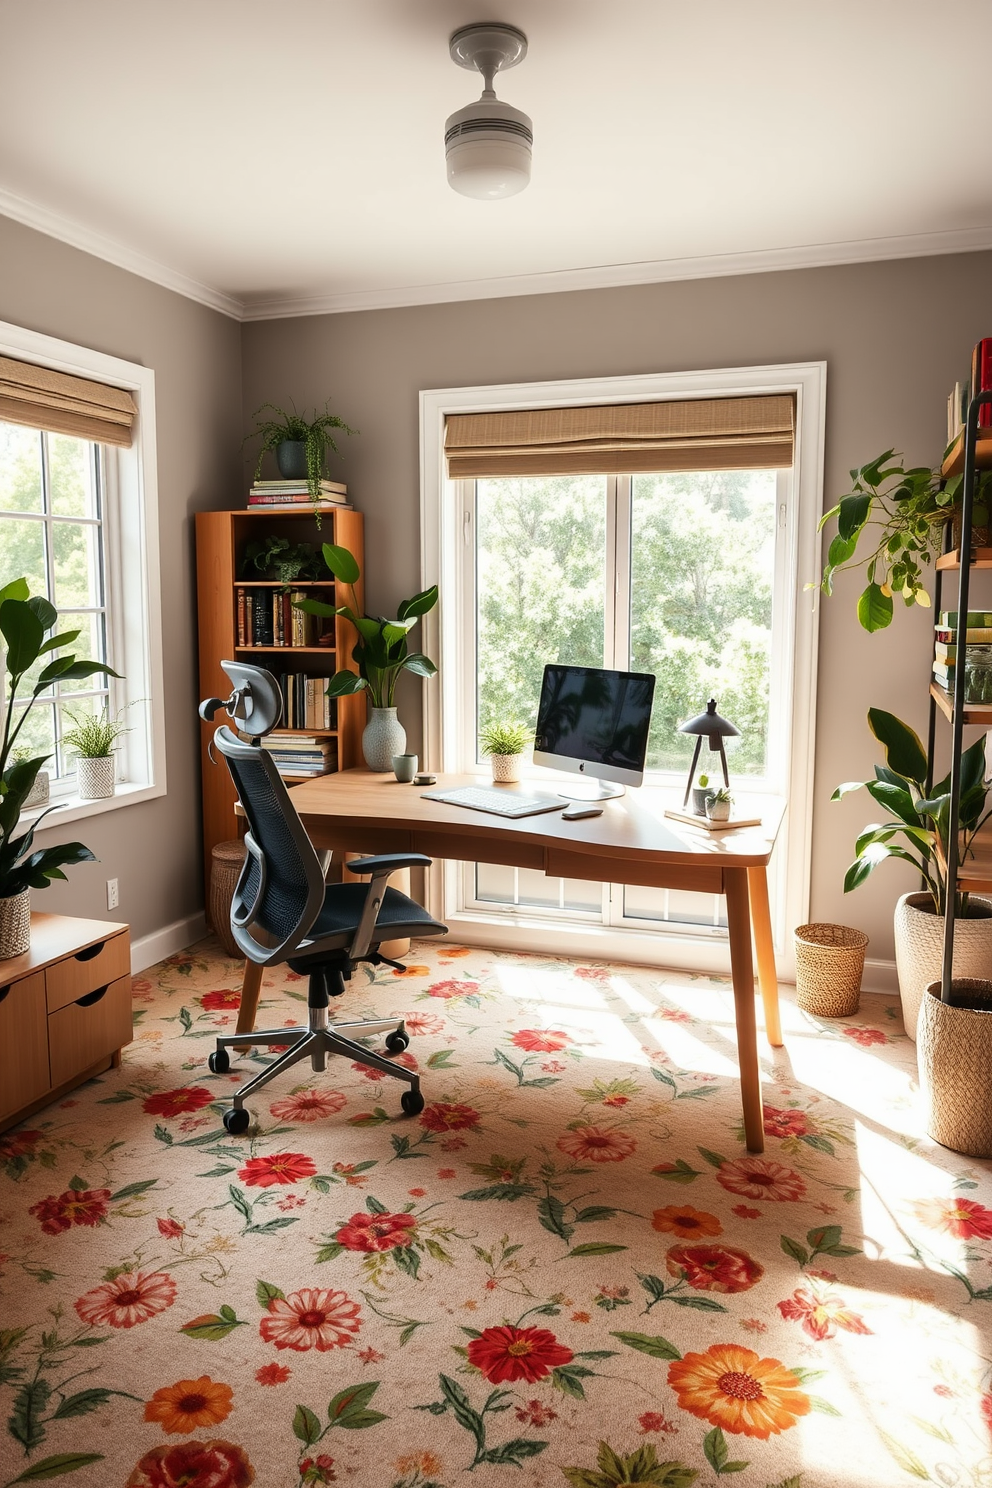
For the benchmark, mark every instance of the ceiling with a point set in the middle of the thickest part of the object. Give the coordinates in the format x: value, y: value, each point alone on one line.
x: 278, y: 157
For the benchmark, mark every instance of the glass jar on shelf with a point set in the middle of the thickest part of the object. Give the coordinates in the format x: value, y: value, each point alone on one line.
x: 978, y: 674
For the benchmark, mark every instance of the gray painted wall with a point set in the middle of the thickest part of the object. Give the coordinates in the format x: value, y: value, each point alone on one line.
x: 895, y: 337
x: 152, y: 848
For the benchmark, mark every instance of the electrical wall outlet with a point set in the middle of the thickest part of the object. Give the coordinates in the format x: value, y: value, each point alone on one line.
x: 113, y: 897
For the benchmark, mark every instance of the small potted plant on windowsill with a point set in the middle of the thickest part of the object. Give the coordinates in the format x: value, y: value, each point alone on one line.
x: 93, y: 740
x: 505, y: 743
x: 300, y: 444
x: 699, y: 793
x: 718, y: 804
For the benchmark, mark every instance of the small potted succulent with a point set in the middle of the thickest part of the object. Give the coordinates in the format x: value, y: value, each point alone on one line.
x: 93, y: 739
x: 300, y: 444
x: 718, y: 804
x: 504, y: 743
x: 699, y: 793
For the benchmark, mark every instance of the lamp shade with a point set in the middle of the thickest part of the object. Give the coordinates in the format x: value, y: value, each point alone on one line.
x: 487, y: 148
x: 710, y: 725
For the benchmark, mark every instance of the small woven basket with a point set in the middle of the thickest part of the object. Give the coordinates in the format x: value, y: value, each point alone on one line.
x: 829, y: 963
x: 225, y: 867
x: 954, y: 1045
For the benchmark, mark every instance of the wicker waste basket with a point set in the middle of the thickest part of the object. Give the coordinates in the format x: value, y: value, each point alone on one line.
x: 829, y: 963
x: 954, y: 1046
x: 225, y: 866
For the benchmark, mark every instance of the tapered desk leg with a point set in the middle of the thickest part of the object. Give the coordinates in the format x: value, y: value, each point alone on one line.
x: 742, y: 969
x: 251, y: 985
x: 761, y: 922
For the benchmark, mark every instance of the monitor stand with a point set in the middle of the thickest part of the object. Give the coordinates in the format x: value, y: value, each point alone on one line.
x: 591, y: 790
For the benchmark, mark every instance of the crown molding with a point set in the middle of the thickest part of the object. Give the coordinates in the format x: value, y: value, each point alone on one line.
x: 614, y: 276
x: 54, y: 225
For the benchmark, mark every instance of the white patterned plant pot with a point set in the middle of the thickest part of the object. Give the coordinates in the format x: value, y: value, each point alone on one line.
x: 15, y: 924
x: 919, y: 938
x: 38, y: 794
x: 506, y: 768
x: 383, y: 737
x: 95, y: 778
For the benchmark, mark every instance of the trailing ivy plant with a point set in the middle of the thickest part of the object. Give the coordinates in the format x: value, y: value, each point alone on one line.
x: 314, y: 434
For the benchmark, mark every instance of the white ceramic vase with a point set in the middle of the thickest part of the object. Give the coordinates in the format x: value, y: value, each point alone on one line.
x: 383, y: 737
x: 506, y: 768
x: 919, y: 935
x: 15, y: 924
x: 718, y: 810
x: 95, y: 778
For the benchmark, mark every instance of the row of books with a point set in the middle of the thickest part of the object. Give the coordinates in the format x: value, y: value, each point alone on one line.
x: 294, y: 495
x: 945, y: 649
x: 267, y: 617
x: 304, y: 704
x: 963, y: 392
x: 301, y: 754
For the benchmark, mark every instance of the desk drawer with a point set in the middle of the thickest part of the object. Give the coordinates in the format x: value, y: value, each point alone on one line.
x: 88, y: 970
x: 23, y: 1042
x: 87, y: 1030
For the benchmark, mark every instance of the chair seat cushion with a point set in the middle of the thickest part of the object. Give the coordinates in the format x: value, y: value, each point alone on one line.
x: 338, y: 920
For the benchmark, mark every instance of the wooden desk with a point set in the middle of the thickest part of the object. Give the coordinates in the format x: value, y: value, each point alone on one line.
x: 631, y: 843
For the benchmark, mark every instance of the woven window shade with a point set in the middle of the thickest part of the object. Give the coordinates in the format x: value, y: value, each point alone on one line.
x: 694, y: 434
x: 45, y: 399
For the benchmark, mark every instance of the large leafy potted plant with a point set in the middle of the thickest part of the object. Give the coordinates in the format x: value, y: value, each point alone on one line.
x: 917, y: 832
x: 382, y: 653
x: 27, y: 625
x: 300, y: 444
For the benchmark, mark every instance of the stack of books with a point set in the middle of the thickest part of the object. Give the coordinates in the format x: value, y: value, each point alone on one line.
x: 301, y: 755
x: 266, y: 617
x: 294, y: 495
x: 962, y: 392
x: 945, y: 651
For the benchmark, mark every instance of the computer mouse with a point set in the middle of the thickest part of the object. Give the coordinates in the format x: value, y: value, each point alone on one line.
x: 572, y: 813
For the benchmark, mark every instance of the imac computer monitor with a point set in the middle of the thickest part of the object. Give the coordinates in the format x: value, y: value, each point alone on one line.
x: 594, y: 723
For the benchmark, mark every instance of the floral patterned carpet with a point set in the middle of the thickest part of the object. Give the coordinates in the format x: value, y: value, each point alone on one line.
x: 567, y: 1269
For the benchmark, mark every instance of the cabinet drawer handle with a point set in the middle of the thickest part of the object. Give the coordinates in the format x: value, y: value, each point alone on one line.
x: 92, y: 997
x: 90, y: 951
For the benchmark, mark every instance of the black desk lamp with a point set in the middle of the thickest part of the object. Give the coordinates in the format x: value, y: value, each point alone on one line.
x: 708, y: 725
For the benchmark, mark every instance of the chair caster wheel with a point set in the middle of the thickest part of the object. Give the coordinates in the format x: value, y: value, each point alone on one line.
x: 219, y: 1062
x: 397, y: 1042
x: 237, y: 1121
x: 412, y: 1102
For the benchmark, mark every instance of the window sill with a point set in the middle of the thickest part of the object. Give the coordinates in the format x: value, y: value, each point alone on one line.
x: 74, y: 808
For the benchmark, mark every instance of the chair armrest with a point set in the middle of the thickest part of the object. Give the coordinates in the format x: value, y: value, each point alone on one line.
x: 389, y: 862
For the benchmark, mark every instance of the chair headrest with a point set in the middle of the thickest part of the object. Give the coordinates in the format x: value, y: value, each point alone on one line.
x: 255, y: 704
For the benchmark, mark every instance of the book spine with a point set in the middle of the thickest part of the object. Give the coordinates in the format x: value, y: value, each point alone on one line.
x: 242, y: 633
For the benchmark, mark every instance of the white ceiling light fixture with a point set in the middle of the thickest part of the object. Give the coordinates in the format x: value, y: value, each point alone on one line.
x: 488, y: 144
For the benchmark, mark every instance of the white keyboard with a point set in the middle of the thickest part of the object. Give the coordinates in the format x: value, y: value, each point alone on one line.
x: 500, y: 803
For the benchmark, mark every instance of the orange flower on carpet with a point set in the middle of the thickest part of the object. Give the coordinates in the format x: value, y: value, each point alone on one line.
x: 273, y: 1374
x: 178, y: 1102
x: 307, y: 1105
x: 86, y: 1206
x: 211, y: 1464
x: 190, y: 1405
x: 714, y: 1268
x: 376, y: 1232
x: 282, y: 1167
x: 685, y: 1222
x: 821, y: 1312
x: 412, y: 971
x: 228, y: 998
x: 131, y: 1298
x: 426, y: 1463
x: 507, y: 1354
x: 731, y: 1387
x: 443, y: 1116
x: 311, y: 1318
x: 451, y: 952
x: 760, y: 1178
x: 541, y: 1040
x: 597, y: 1144
x: 962, y: 1218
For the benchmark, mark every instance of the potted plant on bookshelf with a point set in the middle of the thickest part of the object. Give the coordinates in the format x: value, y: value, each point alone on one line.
x: 718, y: 804
x: 25, y: 621
x: 93, y: 740
x: 504, y: 743
x: 917, y: 832
x: 285, y: 561
x: 382, y: 653
x: 300, y: 444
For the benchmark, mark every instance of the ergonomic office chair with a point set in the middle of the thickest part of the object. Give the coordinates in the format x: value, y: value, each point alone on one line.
x: 283, y: 911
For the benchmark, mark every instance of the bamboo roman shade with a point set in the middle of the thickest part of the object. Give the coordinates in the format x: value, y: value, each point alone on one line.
x: 62, y: 404
x: 690, y: 434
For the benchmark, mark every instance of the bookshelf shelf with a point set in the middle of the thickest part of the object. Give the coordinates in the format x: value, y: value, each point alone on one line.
x: 973, y: 713
x: 278, y: 584
x: 292, y: 650
x: 953, y: 463
x: 982, y: 559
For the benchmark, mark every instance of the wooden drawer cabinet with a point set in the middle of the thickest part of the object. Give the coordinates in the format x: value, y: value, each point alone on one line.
x: 65, y: 1011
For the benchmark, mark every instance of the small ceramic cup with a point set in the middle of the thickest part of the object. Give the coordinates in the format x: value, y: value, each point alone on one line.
x: 405, y: 767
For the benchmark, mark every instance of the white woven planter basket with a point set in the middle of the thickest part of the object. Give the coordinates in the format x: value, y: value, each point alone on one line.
x: 15, y: 924
x: 96, y: 777
x: 506, y: 768
x: 920, y: 951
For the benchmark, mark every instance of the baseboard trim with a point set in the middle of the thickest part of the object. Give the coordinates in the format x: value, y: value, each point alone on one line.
x: 165, y: 942
x: 880, y: 976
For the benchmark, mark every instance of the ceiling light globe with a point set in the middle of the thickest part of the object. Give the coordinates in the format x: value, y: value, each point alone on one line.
x: 488, y: 148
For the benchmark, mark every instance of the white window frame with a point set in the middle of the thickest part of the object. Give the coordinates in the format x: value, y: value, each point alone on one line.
x: 445, y: 524
x: 133, y: 595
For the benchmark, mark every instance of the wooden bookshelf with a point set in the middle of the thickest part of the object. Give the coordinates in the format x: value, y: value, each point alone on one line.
x: 221, y: 539
x: 953, y: 463
x: 982, y: 559
x: 980, y: 713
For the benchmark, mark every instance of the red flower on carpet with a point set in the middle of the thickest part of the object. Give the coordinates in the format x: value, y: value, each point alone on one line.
x: 18, y: 1144
x: 178, y: 1102
x: 597, y: 1144
x: 227, y: 998
x: 986, y: 1409
x: 170, y: 1228
x: 744, y: 1211
x: 821, y: 1312
x: 866, y: 1036
x: 423, y: 1023
x: 273, y: 1374
x: 86, y: 1206
x: 656, y: 1421
x: 714, y: 1268
x: 592, y: 973
x: 535, y: 1414
x: 760, y: 1178
x: 307, y: 1105
x: 687, y: 1223
x: 282, y: 1167
x: 507, y: 1354
x: 211, y: 1464
x: 131, y: 1298
x: 317, y: 1469
x: 731, y: 1387
x: 785, y: 1123
x: 450, y: 989
x: 311, y: 1318
x: 541, y: 1040
x: 445, y: 1116
x: 376, y: 1232
x: 370, y: 1073
x: 962, y: 1218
